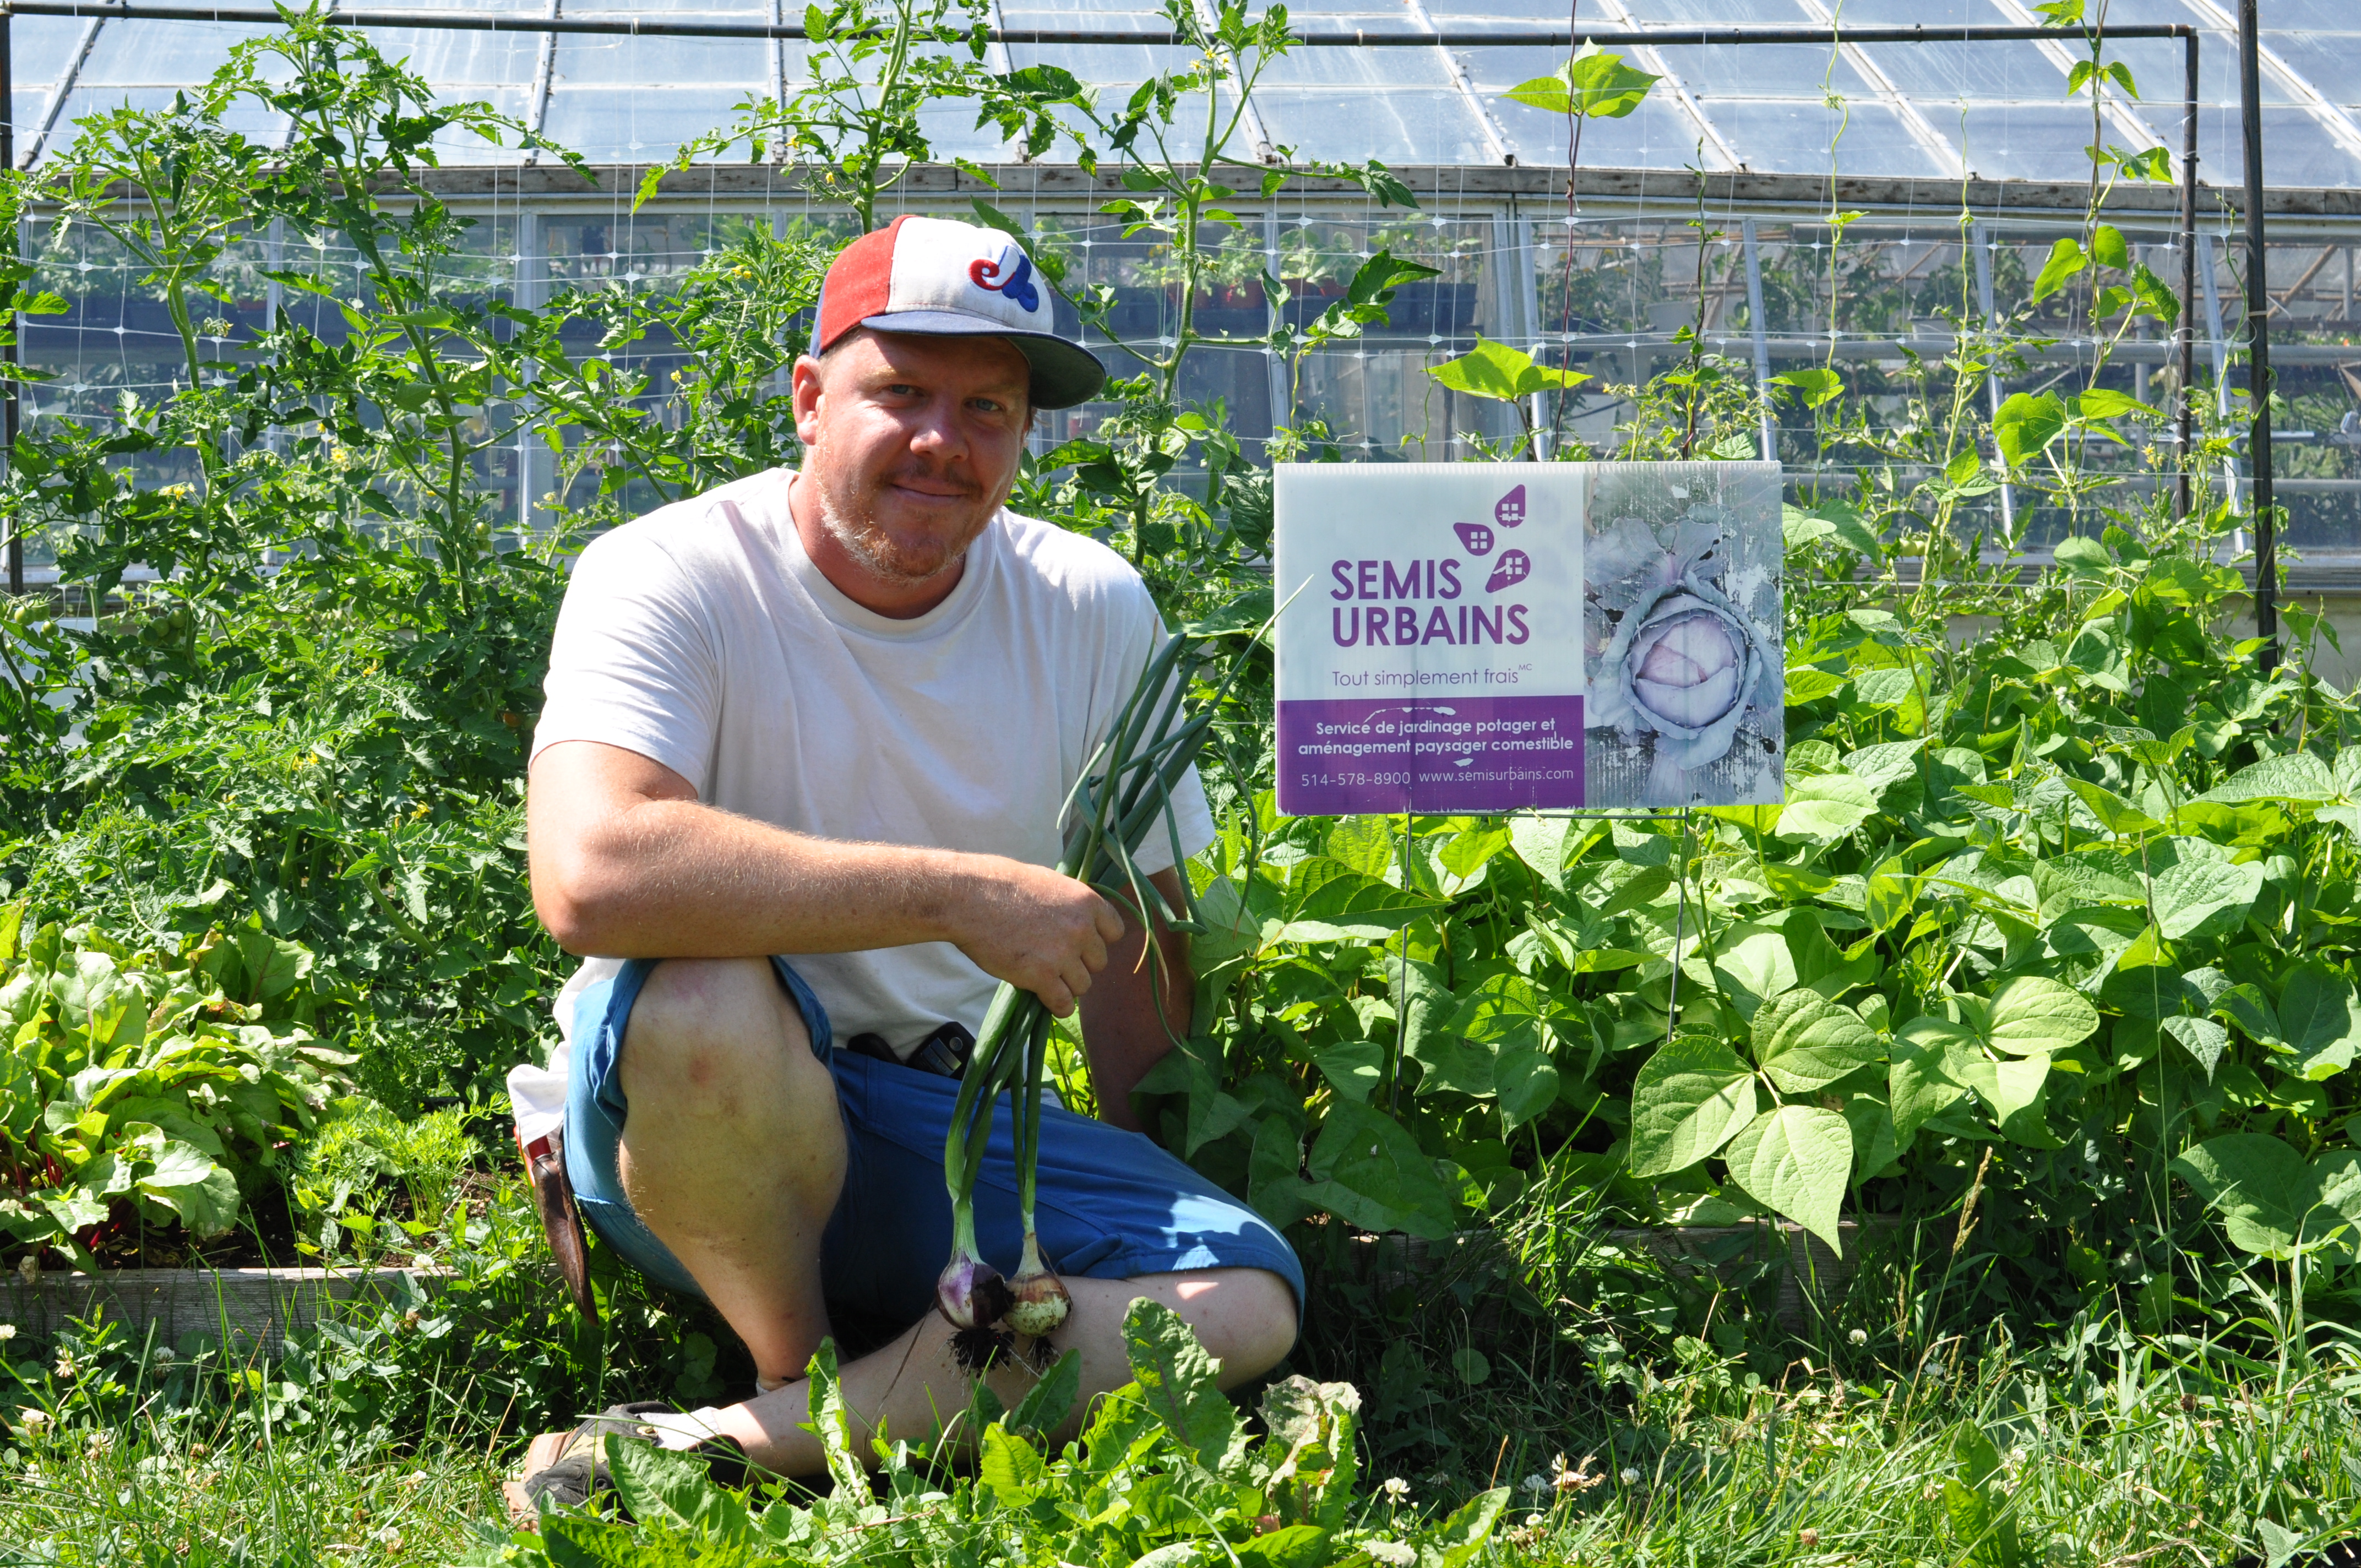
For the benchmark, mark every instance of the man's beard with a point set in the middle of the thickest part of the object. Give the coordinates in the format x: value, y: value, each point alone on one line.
x: 907, y: 561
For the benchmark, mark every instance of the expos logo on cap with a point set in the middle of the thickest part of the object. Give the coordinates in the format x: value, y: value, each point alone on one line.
x: 933, y: 276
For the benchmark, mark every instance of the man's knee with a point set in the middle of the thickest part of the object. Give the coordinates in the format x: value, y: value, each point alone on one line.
x: 1248, y: 1322
x: 715, y: 1037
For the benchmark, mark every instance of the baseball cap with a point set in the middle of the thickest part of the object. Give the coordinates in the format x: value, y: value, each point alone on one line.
x: 935, y: 277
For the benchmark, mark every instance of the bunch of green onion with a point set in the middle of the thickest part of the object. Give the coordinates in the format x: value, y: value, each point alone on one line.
x: 1124, y: 793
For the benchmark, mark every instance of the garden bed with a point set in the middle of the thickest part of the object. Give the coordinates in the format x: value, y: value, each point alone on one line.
x: 253, y: 1307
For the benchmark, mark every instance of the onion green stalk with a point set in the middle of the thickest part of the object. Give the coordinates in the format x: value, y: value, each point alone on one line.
x: 1124, y: 797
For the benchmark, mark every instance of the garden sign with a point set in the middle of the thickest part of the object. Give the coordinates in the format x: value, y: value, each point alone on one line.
x: 1471, y: 637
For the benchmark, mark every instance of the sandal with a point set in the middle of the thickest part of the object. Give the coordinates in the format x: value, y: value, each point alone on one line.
x: 565, y: 1470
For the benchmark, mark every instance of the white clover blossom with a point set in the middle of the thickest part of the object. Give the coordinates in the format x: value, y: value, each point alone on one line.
x: 1537, y: 1483
x: 1630, y: 1476
x: 1392, y: 1554
x: 8, y: 1332
x: 1859, y: 1336
x: 32, y: 1423
x: 1395, y: 1487
x: 1683, y: 664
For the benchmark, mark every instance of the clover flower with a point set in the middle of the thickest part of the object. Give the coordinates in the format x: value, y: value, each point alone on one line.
x: 1395, y: 1488
x: 8, y: 1332
x: 1630, y: 1476
x: 1857, y: 1336
x: 1392, y: 1554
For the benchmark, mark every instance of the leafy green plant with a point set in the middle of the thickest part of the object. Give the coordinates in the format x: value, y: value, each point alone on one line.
x: 364, y: 1155
x: 856, y: 123
x: 1163, y: 1471
x: 148, y: 1091
x: 1500, y: 374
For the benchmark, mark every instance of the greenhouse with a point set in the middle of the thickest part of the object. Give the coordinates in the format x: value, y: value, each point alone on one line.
x: 1711, y: 204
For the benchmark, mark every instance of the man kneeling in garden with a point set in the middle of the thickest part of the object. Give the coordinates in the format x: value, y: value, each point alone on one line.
x: 799, y: 778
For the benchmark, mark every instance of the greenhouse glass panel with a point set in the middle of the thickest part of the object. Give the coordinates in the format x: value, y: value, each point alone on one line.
x: 1660, y: 134
x: 1358, y: 68
x: 1393, y: 124
x: 1948, y: 72
x: 1722, y: 14
x: 2313, y: 16
x: 2158, y: 68
x: 40, y: 49
x: 1523, y: 14
x: 1347, y: 15
x: 629, y: 124
x: 170, y: 54
x: 458, y: 63
x: 2300, y: 149
x: 1798, y: 135
x: 2021, y: 141
x: 1764, y: 71
x: 592, y: 59
x: 2330, y: 61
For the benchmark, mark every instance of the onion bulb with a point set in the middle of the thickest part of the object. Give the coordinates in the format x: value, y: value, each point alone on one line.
x: 1040, y: 1301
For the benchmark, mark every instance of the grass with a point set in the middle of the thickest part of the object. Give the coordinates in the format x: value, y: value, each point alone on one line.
x: 1728, y: 1444
x: 2140, y: 1456
x: 2127, y: 1466
x: 148, y: 1496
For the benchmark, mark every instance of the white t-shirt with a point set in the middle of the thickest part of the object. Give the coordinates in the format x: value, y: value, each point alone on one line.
x: 703, y: 637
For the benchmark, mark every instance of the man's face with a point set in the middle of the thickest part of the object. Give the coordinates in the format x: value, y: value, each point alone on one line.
x: 912, y: 444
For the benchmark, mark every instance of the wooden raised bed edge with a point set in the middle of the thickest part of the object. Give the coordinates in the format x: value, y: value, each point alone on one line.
x: 253, y: 1308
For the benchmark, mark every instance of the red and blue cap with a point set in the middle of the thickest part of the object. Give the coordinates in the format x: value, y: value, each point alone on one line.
x: 938, y: 278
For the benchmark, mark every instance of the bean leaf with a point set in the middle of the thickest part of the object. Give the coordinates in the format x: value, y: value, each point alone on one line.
x: 1686, y: 1101
x: 1798, y: 1160
x: 1804, y: 1042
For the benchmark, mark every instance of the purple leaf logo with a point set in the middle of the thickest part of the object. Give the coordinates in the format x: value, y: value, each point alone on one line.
x: 1511, y: 510
x: 1475, y: 536
x: 1513, y: 567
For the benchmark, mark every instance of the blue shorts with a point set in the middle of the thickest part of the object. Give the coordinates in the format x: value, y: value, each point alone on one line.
x: 1108, y: 1204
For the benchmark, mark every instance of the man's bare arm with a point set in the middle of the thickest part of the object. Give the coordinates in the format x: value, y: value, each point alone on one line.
x: 1123, y: 1033
x: 627, y: 863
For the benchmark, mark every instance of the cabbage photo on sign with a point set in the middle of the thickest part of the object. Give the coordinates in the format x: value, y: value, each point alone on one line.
x: 1681, y: 635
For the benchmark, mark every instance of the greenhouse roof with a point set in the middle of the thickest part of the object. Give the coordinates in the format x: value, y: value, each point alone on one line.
x: 1935, y: 110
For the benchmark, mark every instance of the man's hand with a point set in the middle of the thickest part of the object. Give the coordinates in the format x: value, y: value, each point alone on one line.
x: 1035, y: 928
